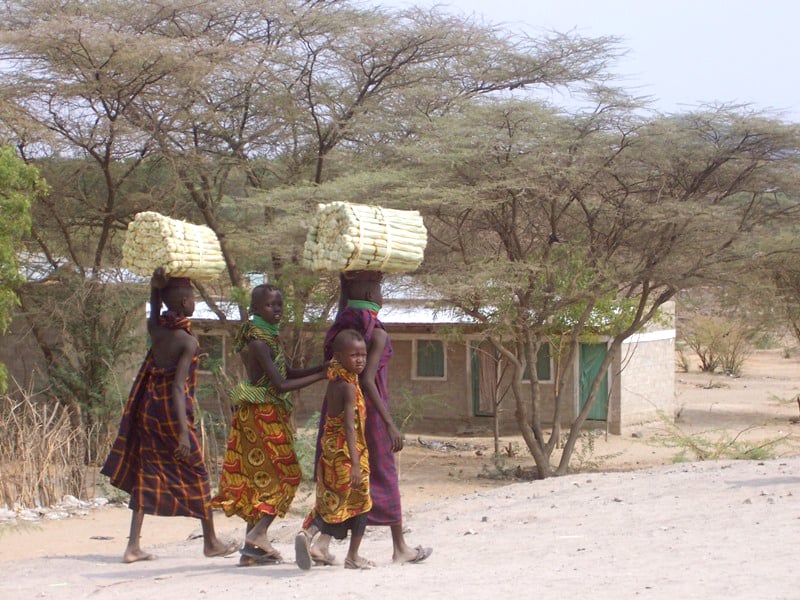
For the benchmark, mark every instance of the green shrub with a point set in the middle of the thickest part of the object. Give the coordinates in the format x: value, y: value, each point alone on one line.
x: 719, y: 342
x: 410, y: 409
x: 716, y: 445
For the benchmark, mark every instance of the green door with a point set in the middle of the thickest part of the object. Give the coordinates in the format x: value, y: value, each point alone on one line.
x: 591, y: 357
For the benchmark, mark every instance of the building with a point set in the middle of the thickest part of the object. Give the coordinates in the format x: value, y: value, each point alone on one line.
x: 445, y: 378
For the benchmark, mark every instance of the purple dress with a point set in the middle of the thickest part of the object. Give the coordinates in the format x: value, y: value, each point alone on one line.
x: 383, y: 480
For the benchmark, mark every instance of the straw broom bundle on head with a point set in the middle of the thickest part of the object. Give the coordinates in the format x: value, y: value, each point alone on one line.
x: 354, y: 237
x: 182, y: 249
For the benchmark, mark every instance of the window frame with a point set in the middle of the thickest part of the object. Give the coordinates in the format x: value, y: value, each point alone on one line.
x: 415, y: 358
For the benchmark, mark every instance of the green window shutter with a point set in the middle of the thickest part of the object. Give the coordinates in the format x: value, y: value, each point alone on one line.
x: 430, y: 358
x: 542, y: 364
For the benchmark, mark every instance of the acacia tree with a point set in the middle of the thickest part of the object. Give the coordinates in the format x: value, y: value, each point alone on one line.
x: 547, y: 226
x: 19, y: 184
x: 69, y: 76
x: 561, y: 223
x: 276, y: 90
x: 275, y: 87
x: 770, y: 291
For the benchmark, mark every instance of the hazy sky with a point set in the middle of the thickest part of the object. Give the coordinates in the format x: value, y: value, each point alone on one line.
x: 680, y: 52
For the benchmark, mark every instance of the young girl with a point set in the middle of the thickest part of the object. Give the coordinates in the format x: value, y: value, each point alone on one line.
x: 343, y: 498
x: 260, y: 472
x: 156, y: 457
x: 359, y: 303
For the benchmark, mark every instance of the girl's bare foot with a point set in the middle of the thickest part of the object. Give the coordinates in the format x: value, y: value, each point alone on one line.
x: 219, y: 548
x: 263, y: 543
x: 135, y: 555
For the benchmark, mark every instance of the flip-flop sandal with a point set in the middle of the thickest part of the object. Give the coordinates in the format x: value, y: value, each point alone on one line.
x: 256, y: 552
x: 302, y: 551
x: 364, y: 565
x: 259, y: 556
x: 252, y: 561
x: 422, y: 554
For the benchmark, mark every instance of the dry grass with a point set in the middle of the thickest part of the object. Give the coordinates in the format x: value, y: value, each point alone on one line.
x: 42, y: 457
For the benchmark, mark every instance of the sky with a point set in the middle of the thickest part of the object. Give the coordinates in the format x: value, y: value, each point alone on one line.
x: 681, y: 53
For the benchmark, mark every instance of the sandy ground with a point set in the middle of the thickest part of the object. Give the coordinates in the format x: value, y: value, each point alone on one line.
x: 633, y: 523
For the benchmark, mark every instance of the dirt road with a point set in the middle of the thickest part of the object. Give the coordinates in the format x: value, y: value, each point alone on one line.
x: 717, y: 529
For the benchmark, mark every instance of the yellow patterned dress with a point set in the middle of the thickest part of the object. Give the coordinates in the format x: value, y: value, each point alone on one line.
x: 260, y: 472
x: 338, y: 504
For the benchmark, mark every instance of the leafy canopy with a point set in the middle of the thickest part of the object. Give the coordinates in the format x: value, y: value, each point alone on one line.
x: 18, y: 184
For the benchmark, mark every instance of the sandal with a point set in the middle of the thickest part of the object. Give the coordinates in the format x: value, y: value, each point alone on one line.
x: 253, y: 555
x: 302, y: 550
x: 223, y: 552
x: 420, y: 555
x: 363, y: 564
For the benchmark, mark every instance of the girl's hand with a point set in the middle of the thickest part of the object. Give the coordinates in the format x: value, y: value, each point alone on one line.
x: 398, y: 439
x: 159, y: 279
x: 184, y: 448
x: 355, y: 474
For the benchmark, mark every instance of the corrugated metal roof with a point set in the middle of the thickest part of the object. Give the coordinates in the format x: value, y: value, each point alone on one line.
x: 391, y: 314
x: 202, y: 312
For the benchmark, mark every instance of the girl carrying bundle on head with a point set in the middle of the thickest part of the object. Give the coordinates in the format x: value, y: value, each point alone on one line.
x: 260, y: 472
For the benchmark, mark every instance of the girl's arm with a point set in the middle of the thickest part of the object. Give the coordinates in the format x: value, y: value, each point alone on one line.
x: 263, y: 355
x: 295, y: 373
x: 377, y: 343
x: 342, y: 292
x: 349, y: 393
x: 178, y: 404
x: 157, y: 283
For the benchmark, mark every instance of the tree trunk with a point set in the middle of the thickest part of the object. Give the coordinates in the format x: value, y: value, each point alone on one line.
x: 523, y: 416
x: 496, y: 431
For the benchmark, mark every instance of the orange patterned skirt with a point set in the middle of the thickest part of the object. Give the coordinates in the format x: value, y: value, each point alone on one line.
x: 260, y: 472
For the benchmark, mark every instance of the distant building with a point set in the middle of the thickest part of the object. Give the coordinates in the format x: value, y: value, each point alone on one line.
x: 445, y: 371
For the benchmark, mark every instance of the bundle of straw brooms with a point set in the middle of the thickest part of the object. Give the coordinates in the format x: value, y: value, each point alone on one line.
x: 348, y: 237
x: 183, y: 249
